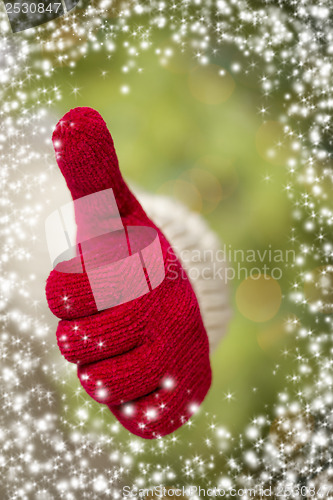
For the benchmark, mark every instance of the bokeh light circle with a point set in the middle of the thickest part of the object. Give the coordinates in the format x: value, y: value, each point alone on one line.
x: 259, y: 297
x: 211, y: 84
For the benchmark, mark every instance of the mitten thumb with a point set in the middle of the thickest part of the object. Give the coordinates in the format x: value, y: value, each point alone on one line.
x: 87, y: 158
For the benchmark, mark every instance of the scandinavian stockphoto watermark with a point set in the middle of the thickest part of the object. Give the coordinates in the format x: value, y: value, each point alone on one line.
x: 123, y: 263
x: 229, y: 264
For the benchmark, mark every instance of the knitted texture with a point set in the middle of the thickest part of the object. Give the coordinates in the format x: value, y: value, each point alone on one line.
x: 199, y: 251
x: 147, y: 359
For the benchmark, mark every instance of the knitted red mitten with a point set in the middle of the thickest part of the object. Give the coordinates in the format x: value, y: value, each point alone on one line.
x: 147, y: 358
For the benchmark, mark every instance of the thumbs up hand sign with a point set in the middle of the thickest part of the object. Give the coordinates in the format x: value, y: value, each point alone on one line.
x: 129, y: 317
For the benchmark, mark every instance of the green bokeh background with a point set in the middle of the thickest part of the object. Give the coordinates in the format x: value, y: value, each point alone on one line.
x: 161, y: 130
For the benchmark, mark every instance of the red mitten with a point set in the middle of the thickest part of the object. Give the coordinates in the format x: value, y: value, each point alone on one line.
x: 146, y: 358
